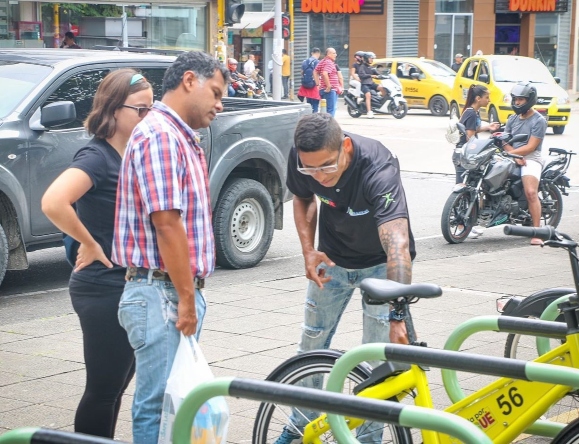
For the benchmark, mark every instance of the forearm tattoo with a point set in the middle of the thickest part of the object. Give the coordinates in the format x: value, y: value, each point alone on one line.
x: 396, y: 243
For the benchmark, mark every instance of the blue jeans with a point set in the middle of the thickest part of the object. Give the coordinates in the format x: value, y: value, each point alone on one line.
x: 148, y: 312
x: 315, y: 103
x: 331, y: 101
x: 230, y: 91
x: 323, y: 310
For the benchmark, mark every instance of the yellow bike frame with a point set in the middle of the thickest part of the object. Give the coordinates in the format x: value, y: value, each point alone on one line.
x: 503, y: 409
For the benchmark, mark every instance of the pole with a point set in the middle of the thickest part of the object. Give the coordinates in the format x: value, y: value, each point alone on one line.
x: 277, y: 47
x: 56, y: 25
x: 291, y: 48
x: 221, y: 47
x: 125, y: 30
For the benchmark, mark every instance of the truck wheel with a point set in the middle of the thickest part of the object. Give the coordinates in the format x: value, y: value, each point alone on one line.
x: 3, y: 254
x: 558, y: 129
x: 243, y: 223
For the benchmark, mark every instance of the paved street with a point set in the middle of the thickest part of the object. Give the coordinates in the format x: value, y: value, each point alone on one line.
x: 254, y: 316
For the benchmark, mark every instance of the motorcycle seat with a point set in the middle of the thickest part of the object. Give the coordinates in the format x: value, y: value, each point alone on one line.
x: 383, y: 290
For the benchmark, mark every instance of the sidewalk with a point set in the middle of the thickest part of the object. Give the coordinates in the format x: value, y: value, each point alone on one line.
x: 252, y: 327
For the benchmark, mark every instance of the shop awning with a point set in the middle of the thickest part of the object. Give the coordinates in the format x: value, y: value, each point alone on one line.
x: 252, y: 20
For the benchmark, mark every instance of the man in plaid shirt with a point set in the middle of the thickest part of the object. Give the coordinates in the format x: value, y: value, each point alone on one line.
x: 163, y: 232
x: 330, y: 86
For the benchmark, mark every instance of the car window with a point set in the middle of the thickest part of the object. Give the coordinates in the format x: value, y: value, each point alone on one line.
x: 155, y: 77
x: 517, y: 69
x: 405, y: 70
x: 17, y: 80
x: 383, y: 67
x: 79, y: 89
x: 484, y: 69
x: 438, y: 69
x: 470, y: 69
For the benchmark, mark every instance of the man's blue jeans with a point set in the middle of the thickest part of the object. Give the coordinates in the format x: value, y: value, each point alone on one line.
x: 331, y: 101
x: 315, y: 103
x: 148, y: 312
x: 323, y: 310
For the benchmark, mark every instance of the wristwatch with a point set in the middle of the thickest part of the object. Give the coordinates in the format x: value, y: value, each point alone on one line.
x: 396, y: 316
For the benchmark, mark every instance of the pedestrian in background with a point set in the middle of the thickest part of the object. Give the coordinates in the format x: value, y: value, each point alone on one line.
x: 458, y: 58
x: 285, y: 72
x: 310, y: 80
x: 122, y: 99
x: 69, y: 42
x: 330, y: 87
x: 163, y: 231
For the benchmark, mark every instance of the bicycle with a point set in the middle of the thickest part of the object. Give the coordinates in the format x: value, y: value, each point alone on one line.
x: 503, y: 409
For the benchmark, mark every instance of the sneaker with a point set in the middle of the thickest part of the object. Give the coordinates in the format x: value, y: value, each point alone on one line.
x: 370, y: 114
x: 536, y: 241
x: 475, y: 234
x: 288, y: 437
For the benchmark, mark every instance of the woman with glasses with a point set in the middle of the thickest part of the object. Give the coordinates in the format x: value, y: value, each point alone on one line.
x: 81, y: 203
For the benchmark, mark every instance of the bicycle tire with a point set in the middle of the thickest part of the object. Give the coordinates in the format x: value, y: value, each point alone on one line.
x: 267, y: 428
x: 524, y: 347
x: 569, y: 435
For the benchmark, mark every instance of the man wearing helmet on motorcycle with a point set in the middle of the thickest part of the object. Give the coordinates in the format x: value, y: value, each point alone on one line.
x: 366, y: 73
x: 528, y: 121
x: 359, y: 57
x: 235, y: 76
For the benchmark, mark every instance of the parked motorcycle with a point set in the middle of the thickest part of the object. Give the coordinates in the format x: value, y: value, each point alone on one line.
x: 492, y: 193
x: 392, y: 103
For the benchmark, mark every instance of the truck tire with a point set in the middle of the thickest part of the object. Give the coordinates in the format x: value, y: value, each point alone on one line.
x: 243, y: 223
x: 3, y: 254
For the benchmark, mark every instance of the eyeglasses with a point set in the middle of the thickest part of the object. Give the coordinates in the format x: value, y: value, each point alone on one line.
x: 142, y: 111
x: 323, y: 169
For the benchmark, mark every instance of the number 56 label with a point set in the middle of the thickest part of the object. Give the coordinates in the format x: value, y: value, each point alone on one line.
x: 507, y: 402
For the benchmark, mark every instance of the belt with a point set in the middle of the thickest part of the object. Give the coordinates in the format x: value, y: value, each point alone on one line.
x: 135, y: 273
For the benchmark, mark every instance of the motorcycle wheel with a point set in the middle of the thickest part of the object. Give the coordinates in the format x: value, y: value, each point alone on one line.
x: 398, y: 111
x: 551, y: 204
x: 453, y: 216
x: 355, y: 113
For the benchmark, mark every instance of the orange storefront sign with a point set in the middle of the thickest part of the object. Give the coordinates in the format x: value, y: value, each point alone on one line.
x: 532, y: 5
x: 332, y: 6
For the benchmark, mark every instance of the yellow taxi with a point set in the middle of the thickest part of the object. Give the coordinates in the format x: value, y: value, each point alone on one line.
x: 426, y: 84
x: 499, y: 73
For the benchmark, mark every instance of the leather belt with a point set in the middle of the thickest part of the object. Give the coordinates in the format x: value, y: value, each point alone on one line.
x: 135, y: 273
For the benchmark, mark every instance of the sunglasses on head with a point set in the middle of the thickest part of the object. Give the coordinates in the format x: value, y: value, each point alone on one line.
x: 142, y: 111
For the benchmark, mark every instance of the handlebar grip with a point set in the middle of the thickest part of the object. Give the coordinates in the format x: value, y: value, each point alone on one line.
x: 544, y: 233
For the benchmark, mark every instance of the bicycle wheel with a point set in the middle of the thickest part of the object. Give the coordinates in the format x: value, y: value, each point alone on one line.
x: 524, y: 347
x: 272, y: 418
x: 569, y: 435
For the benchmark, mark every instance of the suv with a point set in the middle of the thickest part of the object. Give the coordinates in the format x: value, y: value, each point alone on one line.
x: 45, y: 97
x: 499, y: 73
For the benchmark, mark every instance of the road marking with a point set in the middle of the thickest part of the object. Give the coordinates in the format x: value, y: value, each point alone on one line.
x: 34, y: 293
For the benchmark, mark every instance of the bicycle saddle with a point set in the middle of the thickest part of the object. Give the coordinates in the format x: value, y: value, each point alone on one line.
x: 384, y: 290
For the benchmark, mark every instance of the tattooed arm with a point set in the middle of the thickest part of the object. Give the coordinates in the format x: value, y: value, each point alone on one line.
x: 395, y: 240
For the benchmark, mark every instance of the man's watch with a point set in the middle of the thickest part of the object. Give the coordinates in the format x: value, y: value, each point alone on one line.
x: 396, y: 316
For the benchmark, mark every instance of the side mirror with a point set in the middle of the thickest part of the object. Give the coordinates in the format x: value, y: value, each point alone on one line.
x: 484, y: 78
x: 557, y: 79
x: 519, y: 138
x: 461, y: 128
x: 415, y: 76
x: 57, y: 114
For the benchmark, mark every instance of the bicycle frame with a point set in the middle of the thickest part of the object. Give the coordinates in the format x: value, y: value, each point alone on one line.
x: 503, y: 410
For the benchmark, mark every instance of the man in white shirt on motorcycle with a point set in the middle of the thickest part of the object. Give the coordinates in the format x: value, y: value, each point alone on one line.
x: 249, y: 66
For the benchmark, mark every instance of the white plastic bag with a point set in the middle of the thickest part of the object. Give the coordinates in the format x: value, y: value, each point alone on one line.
x: 452, y: 133
x: 188, y: 371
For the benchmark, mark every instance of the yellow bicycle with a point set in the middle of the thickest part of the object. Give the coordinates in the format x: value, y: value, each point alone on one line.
x: 504, y: 409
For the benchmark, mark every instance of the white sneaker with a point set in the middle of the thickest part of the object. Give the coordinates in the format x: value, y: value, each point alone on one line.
x: 370, y: 114
x: 475, y: 234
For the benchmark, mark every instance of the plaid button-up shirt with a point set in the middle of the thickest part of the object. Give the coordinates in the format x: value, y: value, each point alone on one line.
x: 163, y: 169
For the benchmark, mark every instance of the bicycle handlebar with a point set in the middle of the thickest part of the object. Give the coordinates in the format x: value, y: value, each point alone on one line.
x: 544, y: 233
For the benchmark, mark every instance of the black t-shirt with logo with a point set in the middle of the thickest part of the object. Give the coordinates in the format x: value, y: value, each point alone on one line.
x: 368, y: 194
x: 96, y: 209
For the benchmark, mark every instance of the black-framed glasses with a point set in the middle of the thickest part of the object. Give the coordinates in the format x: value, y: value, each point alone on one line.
x: 142, y: 111
x: 326, y: 169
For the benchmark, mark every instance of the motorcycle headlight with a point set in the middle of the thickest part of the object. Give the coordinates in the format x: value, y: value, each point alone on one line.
x: 563, y: 100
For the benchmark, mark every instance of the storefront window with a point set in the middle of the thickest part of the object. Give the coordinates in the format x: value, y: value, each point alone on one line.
x: 546, y: 30
x: 455, y: 6
x: 332, y: 31
x: 452, y: 34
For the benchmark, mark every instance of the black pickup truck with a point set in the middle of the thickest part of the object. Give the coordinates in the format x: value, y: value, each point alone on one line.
x: 246, y: 146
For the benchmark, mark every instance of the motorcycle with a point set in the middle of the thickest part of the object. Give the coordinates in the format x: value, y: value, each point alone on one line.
x: 392, y: 103
x: 492, y: 191
x: 257, y: 85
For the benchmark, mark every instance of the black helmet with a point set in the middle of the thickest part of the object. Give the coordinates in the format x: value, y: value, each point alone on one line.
x: 526, y: 90
x: 359, y: 55
x: 369, y: 55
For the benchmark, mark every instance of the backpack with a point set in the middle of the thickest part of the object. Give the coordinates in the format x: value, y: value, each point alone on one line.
x: 308, y: 74
x: 452, y: 132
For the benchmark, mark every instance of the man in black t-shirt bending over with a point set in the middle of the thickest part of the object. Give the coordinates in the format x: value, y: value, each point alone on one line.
x: 364, y: 230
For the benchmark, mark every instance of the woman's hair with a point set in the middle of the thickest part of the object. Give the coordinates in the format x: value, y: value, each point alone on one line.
x: 473, y: 92
x: 111, y: 94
